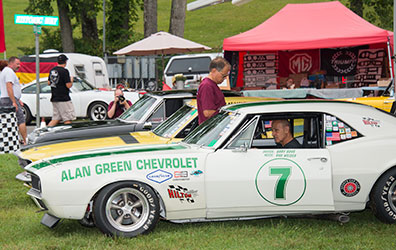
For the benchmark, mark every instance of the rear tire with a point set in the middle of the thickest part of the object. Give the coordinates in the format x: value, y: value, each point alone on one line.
x: 28, y: 114
x: 383, y: 197
x: 126, y: 209
x: 97, y: 111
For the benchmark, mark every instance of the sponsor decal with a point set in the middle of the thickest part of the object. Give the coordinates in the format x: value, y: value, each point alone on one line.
x: 159, y: 176
x: 371, y: 122
x: 196, y: 173
x: 180, y: 176
x: 350, y: 187
x: 182, y: 193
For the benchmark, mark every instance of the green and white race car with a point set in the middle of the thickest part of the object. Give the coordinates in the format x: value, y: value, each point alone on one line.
x: 230, y: 168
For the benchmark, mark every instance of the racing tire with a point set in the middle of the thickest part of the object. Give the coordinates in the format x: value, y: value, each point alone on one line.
x: 28, y: 114
x: 97, y: 111
x: 383, y: 197
x: 126, y: 209
x: 393, y: 108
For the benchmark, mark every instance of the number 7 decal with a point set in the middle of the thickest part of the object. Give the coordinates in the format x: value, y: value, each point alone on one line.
x: 284, y: 173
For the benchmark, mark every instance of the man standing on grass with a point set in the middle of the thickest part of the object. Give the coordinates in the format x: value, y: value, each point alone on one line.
x: 60, y: 81
x: 10, y: 89
x: 209, y: 97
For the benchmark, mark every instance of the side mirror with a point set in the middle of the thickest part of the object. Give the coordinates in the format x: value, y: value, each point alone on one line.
x: 148, y: 125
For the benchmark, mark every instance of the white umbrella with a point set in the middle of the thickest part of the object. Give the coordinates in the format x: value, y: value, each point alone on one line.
x: 161, y: 43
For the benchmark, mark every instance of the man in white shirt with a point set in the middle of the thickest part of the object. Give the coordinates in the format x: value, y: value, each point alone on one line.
x: 10, y: 90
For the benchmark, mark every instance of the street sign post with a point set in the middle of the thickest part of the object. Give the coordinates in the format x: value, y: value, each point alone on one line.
x: 37, y: 22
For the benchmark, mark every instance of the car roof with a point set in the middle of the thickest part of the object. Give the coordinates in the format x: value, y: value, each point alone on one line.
x: 304, y: 104
x: 193, y: 92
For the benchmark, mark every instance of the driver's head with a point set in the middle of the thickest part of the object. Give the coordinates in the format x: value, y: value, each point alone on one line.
x: 281, y: 131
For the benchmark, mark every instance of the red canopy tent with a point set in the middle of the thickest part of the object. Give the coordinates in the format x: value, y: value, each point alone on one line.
x: 309, y: 26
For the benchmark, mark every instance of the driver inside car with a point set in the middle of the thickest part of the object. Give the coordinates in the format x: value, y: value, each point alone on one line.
x: 281, y: 131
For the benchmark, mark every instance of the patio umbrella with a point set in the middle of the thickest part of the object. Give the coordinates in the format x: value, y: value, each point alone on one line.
x: 161, y: 43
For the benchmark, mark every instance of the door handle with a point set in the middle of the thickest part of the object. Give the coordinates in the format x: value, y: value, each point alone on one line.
x: 386, y: 102
x: 322, y: 159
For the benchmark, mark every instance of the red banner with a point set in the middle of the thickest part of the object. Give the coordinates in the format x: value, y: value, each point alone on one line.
x: 299, y: 61
x: 2, y: 37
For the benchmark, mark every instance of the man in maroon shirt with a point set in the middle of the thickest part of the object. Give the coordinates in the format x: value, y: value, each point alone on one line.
x: 210, y: 98
x: 119, y: 105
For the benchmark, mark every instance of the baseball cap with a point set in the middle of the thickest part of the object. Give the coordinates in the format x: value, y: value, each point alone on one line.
x: 62, y: 59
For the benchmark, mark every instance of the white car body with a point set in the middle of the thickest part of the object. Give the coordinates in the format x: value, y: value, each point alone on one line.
x: 232, y: 175
x: 82, y: 100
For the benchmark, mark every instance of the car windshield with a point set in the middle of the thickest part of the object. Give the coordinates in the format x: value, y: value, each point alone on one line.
x: 81, y: 85
x: 138, y: 109
x: 209, y: 132
x: 175, y: 121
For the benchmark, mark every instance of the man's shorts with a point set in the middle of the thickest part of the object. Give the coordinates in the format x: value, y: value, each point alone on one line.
x: 63, y: 111
x: 6, y: 101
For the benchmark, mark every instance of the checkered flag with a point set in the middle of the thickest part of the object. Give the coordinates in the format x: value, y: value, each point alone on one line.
x: 184, y: 191
x: 9, y: 133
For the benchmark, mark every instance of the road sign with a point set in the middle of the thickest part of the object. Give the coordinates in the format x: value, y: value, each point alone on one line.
x: 36, y: 20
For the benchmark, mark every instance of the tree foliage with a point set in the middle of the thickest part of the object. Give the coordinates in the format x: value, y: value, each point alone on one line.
x: 377, y: 12
x: 121, y: 18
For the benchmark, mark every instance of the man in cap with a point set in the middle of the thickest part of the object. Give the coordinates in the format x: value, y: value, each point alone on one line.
x: 60, y: 81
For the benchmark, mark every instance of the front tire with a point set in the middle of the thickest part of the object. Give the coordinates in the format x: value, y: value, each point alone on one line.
x: 97, y: 111
x: 383, y: 197
x: 126, y: 209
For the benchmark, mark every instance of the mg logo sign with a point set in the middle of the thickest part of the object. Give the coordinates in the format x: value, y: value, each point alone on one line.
x: 300, y: 63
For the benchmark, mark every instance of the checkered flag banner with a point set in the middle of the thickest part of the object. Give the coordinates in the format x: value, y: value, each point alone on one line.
x: 176, y: 191
x: 9, y: 132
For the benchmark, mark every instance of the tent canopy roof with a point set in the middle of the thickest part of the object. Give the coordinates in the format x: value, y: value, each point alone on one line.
x: 309, y: 26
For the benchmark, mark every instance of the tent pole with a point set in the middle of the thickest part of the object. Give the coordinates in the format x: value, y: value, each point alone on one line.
x: 390, y: 59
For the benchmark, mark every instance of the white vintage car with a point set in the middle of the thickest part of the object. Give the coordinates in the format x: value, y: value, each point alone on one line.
x: 230, y: 168
x: 88, y: 101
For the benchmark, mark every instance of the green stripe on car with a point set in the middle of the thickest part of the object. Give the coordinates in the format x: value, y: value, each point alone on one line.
x: 85, y: 156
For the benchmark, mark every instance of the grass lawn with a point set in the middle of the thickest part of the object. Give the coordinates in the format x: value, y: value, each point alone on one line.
x: 20, y: 228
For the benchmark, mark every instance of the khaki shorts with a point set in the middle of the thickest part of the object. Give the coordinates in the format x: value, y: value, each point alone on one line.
x: 63, y: 111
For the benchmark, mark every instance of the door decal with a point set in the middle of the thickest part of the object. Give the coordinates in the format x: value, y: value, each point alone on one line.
x: 281, y: 182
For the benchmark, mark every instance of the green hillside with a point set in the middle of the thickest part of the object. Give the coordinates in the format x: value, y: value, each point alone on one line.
x: 208, y: 26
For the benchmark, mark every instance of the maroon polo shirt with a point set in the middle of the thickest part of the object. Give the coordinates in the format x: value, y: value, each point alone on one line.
x: 209, y: 97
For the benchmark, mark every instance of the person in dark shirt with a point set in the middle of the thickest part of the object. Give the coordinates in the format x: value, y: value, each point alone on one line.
x: 60, y: 81
x: 281, y: 131
x: 209, y: 97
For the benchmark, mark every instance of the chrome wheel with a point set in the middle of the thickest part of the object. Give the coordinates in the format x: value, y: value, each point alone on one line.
x: 98, y: 112
x: 127, y: 210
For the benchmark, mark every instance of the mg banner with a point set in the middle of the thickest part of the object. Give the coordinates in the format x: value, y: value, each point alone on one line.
x: 298, y: 61
x: 2, y: 37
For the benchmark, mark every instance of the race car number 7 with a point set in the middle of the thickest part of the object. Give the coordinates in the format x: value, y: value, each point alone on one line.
x: 281, y: 183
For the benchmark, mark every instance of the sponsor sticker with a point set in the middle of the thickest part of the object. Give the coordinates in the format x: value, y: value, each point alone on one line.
x: 350, y: 187
x: 180, y: 176
x: 159, y: 176
x: 196, y: 173
x: 371, y: 122
x: 182, y: 193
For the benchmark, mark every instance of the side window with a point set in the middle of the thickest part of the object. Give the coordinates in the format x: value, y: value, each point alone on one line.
x: 190, y: 127
x: 30, y: 90
x: 45, y: 88
x: 244, y: 138
x: 171, y: 105
x: 303, y: 130
x: 159, y: 115
x: 337, y: 131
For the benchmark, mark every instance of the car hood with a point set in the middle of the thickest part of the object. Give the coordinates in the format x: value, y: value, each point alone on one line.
x: 40, y: 152
x: 112, y: 151
x: 74, y: 130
